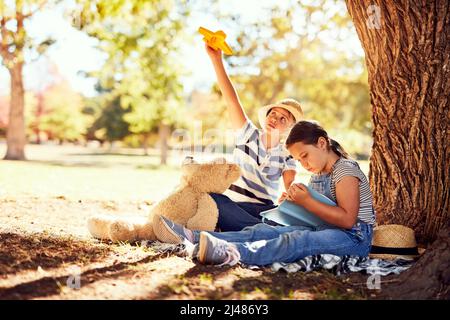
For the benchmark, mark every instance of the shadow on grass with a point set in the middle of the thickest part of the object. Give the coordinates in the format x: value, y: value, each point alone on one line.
x: 48, y: 286
x: 21, y: 253
x: 200, y: 283
x: 282, y: 285
x: 180, y: 286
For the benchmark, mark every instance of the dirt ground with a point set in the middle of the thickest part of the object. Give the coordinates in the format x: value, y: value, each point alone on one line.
x: 46, y: 252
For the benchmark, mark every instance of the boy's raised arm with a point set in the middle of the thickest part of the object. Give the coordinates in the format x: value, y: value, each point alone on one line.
x: 237, y: 114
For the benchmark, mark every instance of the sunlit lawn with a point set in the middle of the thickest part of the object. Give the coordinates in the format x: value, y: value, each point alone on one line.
x: 91, y: 173
x: 80, y: 173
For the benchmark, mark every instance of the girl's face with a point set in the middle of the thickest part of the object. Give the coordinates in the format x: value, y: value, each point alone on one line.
x: 279, y: 119
x: 312, y: 157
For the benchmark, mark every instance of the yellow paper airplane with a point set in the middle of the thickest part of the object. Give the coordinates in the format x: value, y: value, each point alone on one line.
x: 215, y: 40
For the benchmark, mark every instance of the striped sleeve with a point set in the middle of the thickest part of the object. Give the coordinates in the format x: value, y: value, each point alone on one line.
x: 344, y: 169
x: 247, y: 133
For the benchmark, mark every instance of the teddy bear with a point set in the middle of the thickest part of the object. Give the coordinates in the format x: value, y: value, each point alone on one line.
x: 189, y: 204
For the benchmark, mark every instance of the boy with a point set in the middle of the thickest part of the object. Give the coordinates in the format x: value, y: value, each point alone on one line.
x: 259, y: 153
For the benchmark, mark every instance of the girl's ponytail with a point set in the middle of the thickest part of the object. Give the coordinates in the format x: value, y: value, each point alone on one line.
x: 337, y: 148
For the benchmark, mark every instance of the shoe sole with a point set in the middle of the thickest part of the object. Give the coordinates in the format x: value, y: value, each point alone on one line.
x: 202, y: 248
x: 165, y: 234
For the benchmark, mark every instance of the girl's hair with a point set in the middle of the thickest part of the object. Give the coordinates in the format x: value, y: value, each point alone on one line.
x: 309, y: 132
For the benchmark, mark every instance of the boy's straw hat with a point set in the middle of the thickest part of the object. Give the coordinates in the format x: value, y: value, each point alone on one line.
x: 393, y: 241
x: 290, y: 105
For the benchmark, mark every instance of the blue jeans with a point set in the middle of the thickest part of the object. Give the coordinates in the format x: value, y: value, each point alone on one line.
x: 263, y: 244
x: 235, y: 216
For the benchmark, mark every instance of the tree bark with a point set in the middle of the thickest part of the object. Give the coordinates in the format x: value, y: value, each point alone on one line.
x: 15, y: 136
x: 407, y: 48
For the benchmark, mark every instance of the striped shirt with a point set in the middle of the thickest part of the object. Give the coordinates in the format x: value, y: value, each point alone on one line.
x: 261, y: 168
x: 347, y: 167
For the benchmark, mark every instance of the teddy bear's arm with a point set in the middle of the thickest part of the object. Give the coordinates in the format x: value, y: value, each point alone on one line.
x: 120, y: 228
x: 206, y: 216
x: 99, y: 226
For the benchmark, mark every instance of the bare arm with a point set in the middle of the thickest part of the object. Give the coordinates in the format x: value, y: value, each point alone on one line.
x: 235, y: 109
x: 288, y: 178
x: 343, y: 215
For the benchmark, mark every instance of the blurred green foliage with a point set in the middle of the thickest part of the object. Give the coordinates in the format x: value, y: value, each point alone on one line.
x: 299, y: 53
x: 295, y: 49
x: 142, y: 71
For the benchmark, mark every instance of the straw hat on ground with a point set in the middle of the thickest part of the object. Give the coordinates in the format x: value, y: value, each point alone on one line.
x: 290, y: 105
x: 393, y: 241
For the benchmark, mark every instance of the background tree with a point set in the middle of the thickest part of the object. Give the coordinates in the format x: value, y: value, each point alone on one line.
x: 14, y: 41
x: 63, y: 119
x: 109, y: 124
x: 53, y: 79
x: 141, y: 39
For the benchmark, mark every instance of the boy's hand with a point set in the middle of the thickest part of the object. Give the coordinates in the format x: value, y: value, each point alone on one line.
x: 299, y: 193
x: 213, y: 54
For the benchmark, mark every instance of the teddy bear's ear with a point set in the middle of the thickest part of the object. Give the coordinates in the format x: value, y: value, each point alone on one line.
x: 188, y: 169
x: 234, y: 172
x: 219, y: 161
x: 189, y: 166
x: 188, y: 160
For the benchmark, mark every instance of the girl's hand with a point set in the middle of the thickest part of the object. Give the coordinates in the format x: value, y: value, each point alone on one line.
x: 284, y: 196
x: 213, y: 54
x: 299, y: 193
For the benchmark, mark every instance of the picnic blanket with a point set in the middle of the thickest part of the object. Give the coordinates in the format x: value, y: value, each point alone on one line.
x: 341, y: 265
x: 334, y: 264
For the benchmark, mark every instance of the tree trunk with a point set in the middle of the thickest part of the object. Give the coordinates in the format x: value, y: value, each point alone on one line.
x: 429, y: 278
x: 15, y: 136
x: 407, y: 48
x: 145, y: 138
x: 164, y: 131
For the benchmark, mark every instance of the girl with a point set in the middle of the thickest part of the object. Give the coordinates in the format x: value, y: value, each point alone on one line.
x: 334, y: 174
x: 262, y: 158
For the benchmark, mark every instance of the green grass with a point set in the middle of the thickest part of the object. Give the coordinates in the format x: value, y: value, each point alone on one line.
x: 75, y: 172
x: 83, y: 173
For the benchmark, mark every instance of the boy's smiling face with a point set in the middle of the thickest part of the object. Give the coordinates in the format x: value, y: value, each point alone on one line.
x: 279, y: 119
